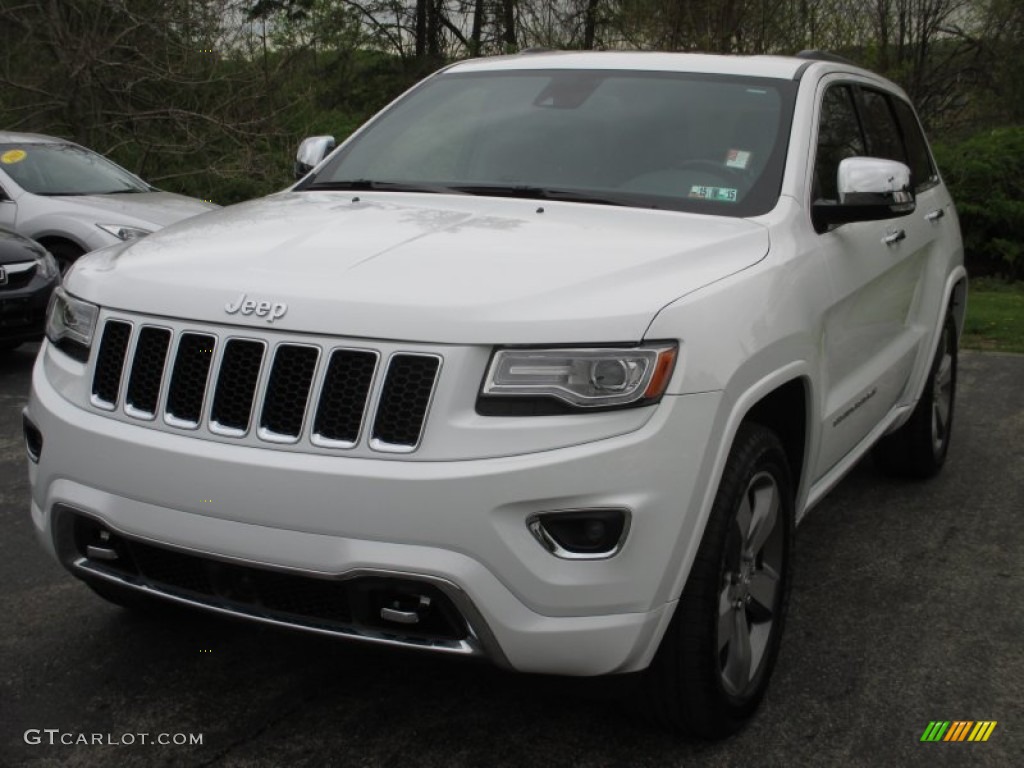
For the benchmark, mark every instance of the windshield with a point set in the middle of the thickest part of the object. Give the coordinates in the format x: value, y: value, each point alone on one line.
x: 705, y: 143
x: 65, y: 169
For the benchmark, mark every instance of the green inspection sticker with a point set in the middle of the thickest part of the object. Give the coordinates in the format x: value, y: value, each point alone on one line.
x: 718, y: 194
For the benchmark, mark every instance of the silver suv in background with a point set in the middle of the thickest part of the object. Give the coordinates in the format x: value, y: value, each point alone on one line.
x: 72, y: 200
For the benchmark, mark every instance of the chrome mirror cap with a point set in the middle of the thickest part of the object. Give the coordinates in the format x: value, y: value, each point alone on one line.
x: 312, y: 151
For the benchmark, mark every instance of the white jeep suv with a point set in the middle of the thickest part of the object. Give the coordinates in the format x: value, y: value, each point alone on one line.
x: 544, y: 364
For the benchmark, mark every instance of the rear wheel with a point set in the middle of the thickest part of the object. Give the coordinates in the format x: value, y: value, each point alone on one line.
x: 918, y: 448
x: 716, y: 658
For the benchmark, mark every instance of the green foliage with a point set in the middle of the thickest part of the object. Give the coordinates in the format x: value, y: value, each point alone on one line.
x: 985, y: 174
x: 995, y: 316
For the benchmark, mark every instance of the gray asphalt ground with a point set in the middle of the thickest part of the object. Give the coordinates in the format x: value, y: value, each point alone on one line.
x: 907, y: 607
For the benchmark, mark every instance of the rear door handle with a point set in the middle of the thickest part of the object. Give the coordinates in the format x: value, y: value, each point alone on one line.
x: 935, y: 215
x: 894, y: 237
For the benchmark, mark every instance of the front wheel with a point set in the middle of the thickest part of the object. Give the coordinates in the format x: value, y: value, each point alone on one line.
x: 713, y: 666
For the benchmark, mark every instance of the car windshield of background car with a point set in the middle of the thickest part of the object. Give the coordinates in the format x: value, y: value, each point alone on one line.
x: 64, y: 169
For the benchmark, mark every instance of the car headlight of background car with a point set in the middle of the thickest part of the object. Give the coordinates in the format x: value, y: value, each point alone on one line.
x: 71, y: 323
x: 533, y: 381
x: 123, y: 231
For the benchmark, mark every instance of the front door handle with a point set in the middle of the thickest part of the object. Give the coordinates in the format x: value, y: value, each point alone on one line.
x: 894, y: 237
x: 935, y: 215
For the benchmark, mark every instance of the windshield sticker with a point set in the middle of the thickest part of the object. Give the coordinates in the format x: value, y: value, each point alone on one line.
x: 12, y: 156
x: 718, y: 194
x: 737, y: 158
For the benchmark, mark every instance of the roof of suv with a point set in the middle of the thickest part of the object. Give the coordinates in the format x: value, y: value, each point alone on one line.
x: 777, y: 67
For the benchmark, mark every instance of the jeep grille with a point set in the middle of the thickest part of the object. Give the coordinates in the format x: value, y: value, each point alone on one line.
x: 286, y: 391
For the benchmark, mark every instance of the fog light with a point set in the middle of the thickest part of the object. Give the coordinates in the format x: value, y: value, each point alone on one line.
x: 33, y: 438
x: 581, y: 534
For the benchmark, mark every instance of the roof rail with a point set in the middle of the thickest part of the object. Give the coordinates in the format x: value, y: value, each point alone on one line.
x: 815, y: 55
x: 538, y: 49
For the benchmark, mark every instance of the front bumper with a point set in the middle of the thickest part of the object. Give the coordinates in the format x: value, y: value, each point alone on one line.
x: 457, y: 524
x: 23, y: 309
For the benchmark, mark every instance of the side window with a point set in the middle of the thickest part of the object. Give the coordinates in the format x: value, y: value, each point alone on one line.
x: 922, y: 173
x: 839, y: 137
x: 880, y: 126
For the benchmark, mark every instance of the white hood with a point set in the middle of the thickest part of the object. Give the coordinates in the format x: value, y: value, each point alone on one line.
x: 444, y: 269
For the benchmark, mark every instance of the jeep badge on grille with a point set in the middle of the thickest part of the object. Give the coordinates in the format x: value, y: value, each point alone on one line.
x: 270, y: 310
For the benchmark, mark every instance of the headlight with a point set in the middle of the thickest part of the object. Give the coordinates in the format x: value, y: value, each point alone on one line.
x: 71, y: 323
x: 47, y: 265
x: 537, y: 381
x: 124, y: 232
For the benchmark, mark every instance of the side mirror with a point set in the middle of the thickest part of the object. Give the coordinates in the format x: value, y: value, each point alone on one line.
x: 870, y: 189
x: 312, y: 150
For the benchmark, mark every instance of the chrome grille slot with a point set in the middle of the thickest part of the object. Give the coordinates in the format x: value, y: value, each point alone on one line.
x: 189, y: 377
x: 147, y: 372
x: 236, y: 387
x: 404, y: 400
x: 106, y: 380
x: 287, y: 392
x: 343, y: 399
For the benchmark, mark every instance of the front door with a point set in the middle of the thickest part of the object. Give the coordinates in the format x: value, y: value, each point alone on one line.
x: 871, y: 336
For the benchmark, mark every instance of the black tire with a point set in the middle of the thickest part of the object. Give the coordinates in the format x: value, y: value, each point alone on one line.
x: 697, y: 684
x: 65, y: 253
x: 918, y: 448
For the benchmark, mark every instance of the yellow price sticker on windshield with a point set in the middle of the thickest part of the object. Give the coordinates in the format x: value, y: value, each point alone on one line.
x: 12, y: 156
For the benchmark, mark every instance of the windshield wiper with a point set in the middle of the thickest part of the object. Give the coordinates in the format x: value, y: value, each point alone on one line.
x: 383, y: 186
x: 530, y: 192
